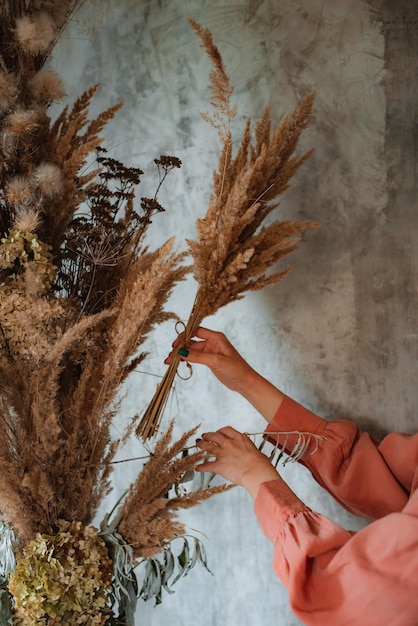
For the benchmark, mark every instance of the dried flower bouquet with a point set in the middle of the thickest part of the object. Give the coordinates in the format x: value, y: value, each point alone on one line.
x: 80, y: 292
x: 235, y: 248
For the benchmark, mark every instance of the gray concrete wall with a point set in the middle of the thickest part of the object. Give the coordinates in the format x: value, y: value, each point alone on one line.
x: 340, y: 334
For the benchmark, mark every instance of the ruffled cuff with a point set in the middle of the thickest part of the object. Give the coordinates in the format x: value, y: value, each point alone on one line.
x: 274, y: 505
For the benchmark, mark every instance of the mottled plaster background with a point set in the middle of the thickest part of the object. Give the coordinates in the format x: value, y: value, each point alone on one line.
x: 340, y: 334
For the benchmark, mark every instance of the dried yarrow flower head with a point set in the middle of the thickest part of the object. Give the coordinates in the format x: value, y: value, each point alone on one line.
x: 167, y: 162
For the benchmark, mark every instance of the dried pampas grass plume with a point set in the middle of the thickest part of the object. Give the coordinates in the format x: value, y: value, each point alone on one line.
x: 148, y: 518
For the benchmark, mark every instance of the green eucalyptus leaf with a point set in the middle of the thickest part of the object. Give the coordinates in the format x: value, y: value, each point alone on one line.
x: 160, y: 574
x: 183, y: 561
x: 5, y: 606
x: 168, y: 569
x: 151, y: 587
x: 127, y: 603
x: 201, y: 554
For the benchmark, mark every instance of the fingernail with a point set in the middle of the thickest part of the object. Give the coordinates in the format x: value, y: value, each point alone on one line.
x: 197, y: 440
x: 183, y: 352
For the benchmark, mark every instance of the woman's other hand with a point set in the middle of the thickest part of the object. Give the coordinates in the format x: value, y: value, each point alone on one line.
x: 233, y: 455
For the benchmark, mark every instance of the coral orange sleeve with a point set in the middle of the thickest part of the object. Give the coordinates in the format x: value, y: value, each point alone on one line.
x: 335, y: 576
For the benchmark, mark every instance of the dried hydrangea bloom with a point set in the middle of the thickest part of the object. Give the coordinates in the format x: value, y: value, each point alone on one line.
x: 63, y: 575
x: 29, y: 331
x: 22, y: 249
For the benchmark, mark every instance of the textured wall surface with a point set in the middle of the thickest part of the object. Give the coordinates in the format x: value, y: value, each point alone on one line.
x: 340, y: 334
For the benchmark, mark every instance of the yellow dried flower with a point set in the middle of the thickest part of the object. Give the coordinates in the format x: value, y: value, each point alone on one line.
x: 20, y: 251
x: 64, y: 577
x: 29, y: 329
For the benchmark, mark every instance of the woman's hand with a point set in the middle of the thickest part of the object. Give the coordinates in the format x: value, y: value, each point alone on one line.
x: 213, y: 349
x: 234, y: 456
x: 216, y: 352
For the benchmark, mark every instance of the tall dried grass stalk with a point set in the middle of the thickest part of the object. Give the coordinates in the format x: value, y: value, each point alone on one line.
x: 148, y: 517
x: 235, y: 249
x: 79, y: 290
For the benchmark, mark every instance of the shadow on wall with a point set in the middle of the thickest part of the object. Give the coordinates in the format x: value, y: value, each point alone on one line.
x: 347, y: 315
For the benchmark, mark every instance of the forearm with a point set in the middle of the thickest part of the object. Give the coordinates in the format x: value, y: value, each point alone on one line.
x: 263, y: 475
x: 262, y: 394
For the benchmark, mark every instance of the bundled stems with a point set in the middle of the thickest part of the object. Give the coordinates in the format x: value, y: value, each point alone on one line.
x: 149, y: 424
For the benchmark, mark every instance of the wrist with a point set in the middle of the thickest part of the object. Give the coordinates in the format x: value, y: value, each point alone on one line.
x: 255, y: 477
x: 262, y: 394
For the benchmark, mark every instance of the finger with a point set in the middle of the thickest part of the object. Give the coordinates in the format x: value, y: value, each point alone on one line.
x: 229, y: 432
x: 178, y: 340
x: 178, y: 343
x: 219, y: 437
x: 216, y: 438
x: 207, y: 446
x: 169, y: 358
x: 204, y: 333
x: 207, y: 466
x: 200, y: 357
x: 216, y: 338
x: 200, y: 333
x: 197, y: 346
